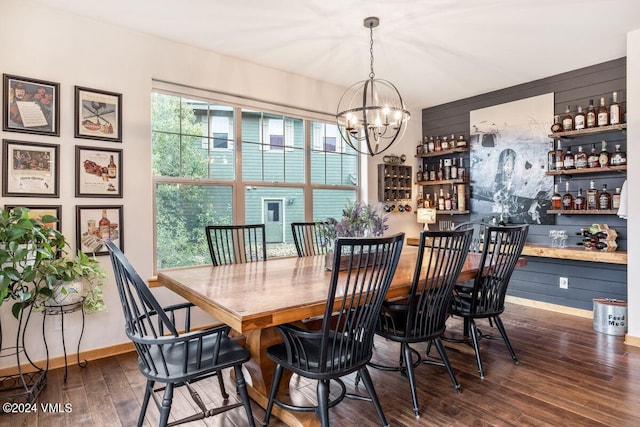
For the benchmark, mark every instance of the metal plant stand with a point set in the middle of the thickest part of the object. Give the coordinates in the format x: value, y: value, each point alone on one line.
x: 61, y: 310
x: 26, y: 384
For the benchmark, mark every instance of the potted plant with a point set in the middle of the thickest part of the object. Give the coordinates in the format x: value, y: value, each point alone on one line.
x: 358, y: 220
x: 25, y: 243
x: 68, y: 280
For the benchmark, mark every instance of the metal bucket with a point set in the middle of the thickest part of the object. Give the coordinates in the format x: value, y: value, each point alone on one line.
x: 610, y: 316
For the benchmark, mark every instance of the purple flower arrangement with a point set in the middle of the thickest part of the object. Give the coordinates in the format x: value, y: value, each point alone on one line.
x: 358, y: 220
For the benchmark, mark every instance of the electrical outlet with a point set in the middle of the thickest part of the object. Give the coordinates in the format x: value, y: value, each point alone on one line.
x: 564, y: 282
x: 57, y: 323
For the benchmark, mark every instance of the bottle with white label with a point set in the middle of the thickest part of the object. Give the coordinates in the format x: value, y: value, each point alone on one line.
x: 603, y: 114
x: 615, y: 112
x: 580, y: 120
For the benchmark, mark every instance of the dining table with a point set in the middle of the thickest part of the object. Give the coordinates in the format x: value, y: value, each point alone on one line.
x: 253, y: 298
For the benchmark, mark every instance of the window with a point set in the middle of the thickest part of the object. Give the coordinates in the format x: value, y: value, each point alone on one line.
x: 196, y: 182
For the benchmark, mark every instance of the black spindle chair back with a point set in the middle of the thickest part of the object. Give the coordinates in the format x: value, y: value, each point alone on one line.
x: 236, y: 244
x: 308, y: 238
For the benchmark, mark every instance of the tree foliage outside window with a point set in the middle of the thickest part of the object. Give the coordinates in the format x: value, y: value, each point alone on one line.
x: 195, y: 180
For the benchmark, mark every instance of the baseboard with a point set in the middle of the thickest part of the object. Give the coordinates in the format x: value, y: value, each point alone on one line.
x: 631, y: 340
x: 587, y: 314
x: 58, y: 362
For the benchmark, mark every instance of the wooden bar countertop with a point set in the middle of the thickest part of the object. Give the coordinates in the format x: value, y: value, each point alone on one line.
x: 570, y: 253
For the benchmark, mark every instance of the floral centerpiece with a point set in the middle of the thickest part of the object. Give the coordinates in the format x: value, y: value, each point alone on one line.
x: 358, y: 220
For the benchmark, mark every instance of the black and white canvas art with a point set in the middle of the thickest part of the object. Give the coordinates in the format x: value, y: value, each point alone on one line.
x: 509, y: 145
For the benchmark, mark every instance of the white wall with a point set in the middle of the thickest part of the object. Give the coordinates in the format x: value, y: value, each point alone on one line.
x: 633, y: 181
x: 47, y: 44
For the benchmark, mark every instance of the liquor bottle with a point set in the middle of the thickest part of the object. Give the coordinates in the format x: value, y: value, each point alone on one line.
x: 567, y: 199
x: 444, y: 143
x: 420, y: 174
x: 441, y: 200
x: 461, y: 142
x: 580, y: 120
x: 437, y: 144
x: 454, y: 170
x: 603, y: 157
x: 603, y: 114
x: 557, y: 124
x: 440, y: 173
x: 559, y: 157
x: 579, y: 202
x: 604, y: 199
x: 580, y: 161
x: 569, y: 159
x: 618, y: 158
x: 431, y: 146
x: 615, y: 199
x: 592, y: 197
x: 551, y: 157
x: 425, y: 145
x: 420, y: 202
x: 112, y: 169
x: 593, y: 161
x: 556, y: 198
x: 428, y: 203
x: 454, y: 199
x: 567, y: 120
x: 432, y: 174
x: 615, y: 112
x: 592, y: 116
x: 447, y: 169
x: 419, y: 148
x: 447, y: 202
x: 104, y: 226
x: 461, y: 170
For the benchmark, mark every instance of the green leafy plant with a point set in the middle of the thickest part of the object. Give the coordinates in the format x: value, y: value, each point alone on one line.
x: 358, y: 220
x: 53, y: 275
x: 24, y: 244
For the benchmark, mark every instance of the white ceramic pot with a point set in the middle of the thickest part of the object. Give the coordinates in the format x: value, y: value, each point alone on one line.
x: 67, y: 293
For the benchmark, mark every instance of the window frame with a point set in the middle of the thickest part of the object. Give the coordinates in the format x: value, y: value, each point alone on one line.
x: 235, y: 144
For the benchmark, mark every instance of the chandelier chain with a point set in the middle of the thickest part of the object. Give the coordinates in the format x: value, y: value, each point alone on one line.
x: 371, y: 74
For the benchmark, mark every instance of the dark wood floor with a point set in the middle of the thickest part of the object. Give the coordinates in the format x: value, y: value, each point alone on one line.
x: 568, y: 375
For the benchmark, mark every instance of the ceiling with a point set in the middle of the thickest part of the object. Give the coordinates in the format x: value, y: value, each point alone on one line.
x: 434, y: 51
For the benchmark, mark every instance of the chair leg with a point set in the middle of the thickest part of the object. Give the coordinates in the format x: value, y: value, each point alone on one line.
x: 445, y: 360
x: 406, y: 354
x: 366, y: 379
x: 145, y: 402
x: 222, y: 388
x: 503, y: 332
x: 275, y: 384
x: 323, y: 402
x: 476, y: 347
x: 167, y: 398
x: 241, y: 386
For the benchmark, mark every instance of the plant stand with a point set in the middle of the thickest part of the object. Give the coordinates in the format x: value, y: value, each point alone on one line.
x: 24, y: 386
x: 61, y: 310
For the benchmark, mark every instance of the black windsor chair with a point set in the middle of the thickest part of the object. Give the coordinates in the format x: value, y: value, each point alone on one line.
x: 175, y: 358
x: 484, y: 299
x: 421, y: 316
x: 308, y: 238
x: 236, y: 244
x: 344, y: 343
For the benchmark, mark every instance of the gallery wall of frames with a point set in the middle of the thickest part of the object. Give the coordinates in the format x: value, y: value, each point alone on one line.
x: 32, y: 168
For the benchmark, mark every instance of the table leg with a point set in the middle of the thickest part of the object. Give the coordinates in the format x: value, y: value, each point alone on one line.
x: 261, y: 368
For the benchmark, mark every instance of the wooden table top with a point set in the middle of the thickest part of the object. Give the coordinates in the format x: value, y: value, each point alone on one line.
x: 280, y: 290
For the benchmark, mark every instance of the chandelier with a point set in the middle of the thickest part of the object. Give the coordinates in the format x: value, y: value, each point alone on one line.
x: 371, y: 115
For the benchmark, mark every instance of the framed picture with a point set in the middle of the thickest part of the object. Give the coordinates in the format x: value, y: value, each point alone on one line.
x: 98, y: 114
x: 30, y: 106
x: 38, y: 211
x: 97, y: 224
x: 30, y: 169
x: 98, y: 172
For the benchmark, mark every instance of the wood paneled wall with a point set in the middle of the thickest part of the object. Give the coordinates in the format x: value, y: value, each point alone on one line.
x: 539, y: 280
